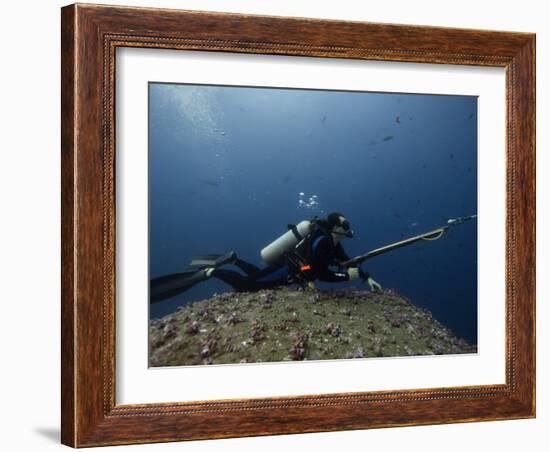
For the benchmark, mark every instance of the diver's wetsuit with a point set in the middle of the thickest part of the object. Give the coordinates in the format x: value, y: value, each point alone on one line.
x: 309, y: 260
x: 255, y: 278
x: 324, y: 254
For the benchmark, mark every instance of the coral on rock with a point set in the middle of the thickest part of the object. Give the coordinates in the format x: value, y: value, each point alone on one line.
x: 287, y: 324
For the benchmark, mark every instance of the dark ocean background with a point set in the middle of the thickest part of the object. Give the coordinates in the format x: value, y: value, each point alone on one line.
x: 227, y: 166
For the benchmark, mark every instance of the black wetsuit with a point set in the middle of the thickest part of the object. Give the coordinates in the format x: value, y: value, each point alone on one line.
x: 321, y: 252
x: 324, y: 254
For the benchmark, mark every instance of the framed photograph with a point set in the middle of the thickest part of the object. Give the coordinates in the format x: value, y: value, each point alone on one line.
x: 282, y: 225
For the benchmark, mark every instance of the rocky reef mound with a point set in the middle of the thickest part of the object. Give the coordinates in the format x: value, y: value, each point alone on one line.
x: 287, y: 324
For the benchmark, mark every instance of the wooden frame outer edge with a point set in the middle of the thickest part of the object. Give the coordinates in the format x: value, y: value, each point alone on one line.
x: 89, y: 414
x: 68, y: 211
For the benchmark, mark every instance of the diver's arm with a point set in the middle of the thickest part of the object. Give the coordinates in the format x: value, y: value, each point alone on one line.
x: 340, y: 254
x: 324, y: 255
x: 357, y: 272
x: 327, y: 275
x: 373, y: 285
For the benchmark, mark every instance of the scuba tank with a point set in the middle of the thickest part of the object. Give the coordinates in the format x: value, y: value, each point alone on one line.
x: 275, y: 253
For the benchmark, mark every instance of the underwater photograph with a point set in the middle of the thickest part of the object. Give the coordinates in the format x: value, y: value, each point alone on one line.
x: 297, y: 224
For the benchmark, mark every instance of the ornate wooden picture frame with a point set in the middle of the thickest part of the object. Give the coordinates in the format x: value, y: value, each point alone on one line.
x: 90, y: 37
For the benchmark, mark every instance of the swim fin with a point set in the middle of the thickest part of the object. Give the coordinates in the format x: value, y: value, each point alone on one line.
x: 169, y: 286
x: 212, y: 260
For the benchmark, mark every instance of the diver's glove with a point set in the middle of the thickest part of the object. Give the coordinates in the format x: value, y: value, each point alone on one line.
x: 374, y: 286
x: 354, y: 273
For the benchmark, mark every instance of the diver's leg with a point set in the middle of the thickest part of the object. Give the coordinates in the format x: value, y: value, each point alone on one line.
x: 240, y: 283
x: 264, y: 285
x: 271, y: 277
x: 169, y: 286
x: 243, y: 283
x: 247, y: 267
x: 266, y: 278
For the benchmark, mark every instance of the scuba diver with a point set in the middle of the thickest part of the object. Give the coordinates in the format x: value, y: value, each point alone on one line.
x: 305, y: 253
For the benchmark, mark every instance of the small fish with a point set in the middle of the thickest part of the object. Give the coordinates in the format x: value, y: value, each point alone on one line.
x: 410, y: 118
x: 211, y: 183
x: 223, y: 134
x: 397, y: 120
x: 471, y: 116
x: 451, y: 156
x: 324, y: 119
x: 388, y: 138
x: 372, y: 143
x: 424, y: 166
x: 414, y: 224
x: 301, y: 193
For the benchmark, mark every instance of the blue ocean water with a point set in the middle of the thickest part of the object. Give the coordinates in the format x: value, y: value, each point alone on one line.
x: 230, y: 167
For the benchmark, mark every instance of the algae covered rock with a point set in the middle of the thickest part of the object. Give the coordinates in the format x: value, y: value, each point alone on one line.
x: 287, y: 324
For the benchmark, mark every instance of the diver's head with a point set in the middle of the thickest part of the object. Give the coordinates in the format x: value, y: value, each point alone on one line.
x: 339, y: 226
